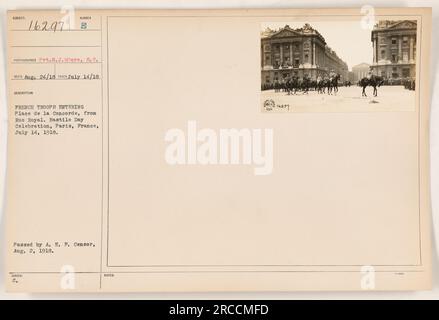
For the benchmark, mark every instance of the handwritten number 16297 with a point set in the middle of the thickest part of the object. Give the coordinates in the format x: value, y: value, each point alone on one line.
x: 36, y: 25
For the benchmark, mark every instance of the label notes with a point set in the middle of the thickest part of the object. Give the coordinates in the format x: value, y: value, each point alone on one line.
x: 55, y: 77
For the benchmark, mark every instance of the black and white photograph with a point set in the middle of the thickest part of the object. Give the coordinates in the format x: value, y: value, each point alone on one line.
x: 338, y: 66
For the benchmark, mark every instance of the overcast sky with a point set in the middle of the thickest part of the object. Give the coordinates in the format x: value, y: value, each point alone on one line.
x: 347, y: 38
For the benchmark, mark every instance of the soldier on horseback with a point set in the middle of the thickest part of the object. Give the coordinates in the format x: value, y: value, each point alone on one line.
x: 319, y: 84
x: 305, y: 84
x: 276, y: 85
x: 332, y: 83
x: 373, y: 81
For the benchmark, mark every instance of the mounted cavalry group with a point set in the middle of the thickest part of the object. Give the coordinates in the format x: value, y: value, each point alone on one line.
x: 293, y: 85
x: 325, y: 85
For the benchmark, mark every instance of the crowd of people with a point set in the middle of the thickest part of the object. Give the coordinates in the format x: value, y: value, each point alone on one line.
x: 409, y: 83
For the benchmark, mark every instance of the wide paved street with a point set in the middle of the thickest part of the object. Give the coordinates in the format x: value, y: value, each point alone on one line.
x: 390, y: 98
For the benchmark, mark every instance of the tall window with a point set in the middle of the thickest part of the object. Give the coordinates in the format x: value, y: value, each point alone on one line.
x: 267, y: 58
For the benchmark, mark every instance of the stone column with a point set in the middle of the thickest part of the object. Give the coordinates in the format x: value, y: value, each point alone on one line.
x: 374, y: 50
x: 263, y: 55
x: 303, y: 54
x: 291, y: 53
x: 411, y: 57
x: 377, y: 50
x: 313, y: 53
x: 281, y: 55
x: 399, y: 48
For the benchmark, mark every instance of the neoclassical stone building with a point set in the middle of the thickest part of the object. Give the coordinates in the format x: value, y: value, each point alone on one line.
x: 360, y: 71
x: 394, y: 49
x: 301, y: 52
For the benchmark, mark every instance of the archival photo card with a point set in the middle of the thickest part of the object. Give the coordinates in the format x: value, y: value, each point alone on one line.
x: 218, y: 150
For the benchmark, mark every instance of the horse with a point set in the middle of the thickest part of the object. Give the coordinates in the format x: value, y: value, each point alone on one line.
x: 305, y: 84
x: 373, y: 81
x: 332, y: 84
x: 291, y: 85
x: 321, y: 85
x: 313, y: 85
x: 278, y: 85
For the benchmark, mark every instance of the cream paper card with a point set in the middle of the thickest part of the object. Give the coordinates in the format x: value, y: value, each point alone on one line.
x: 218, y: 150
